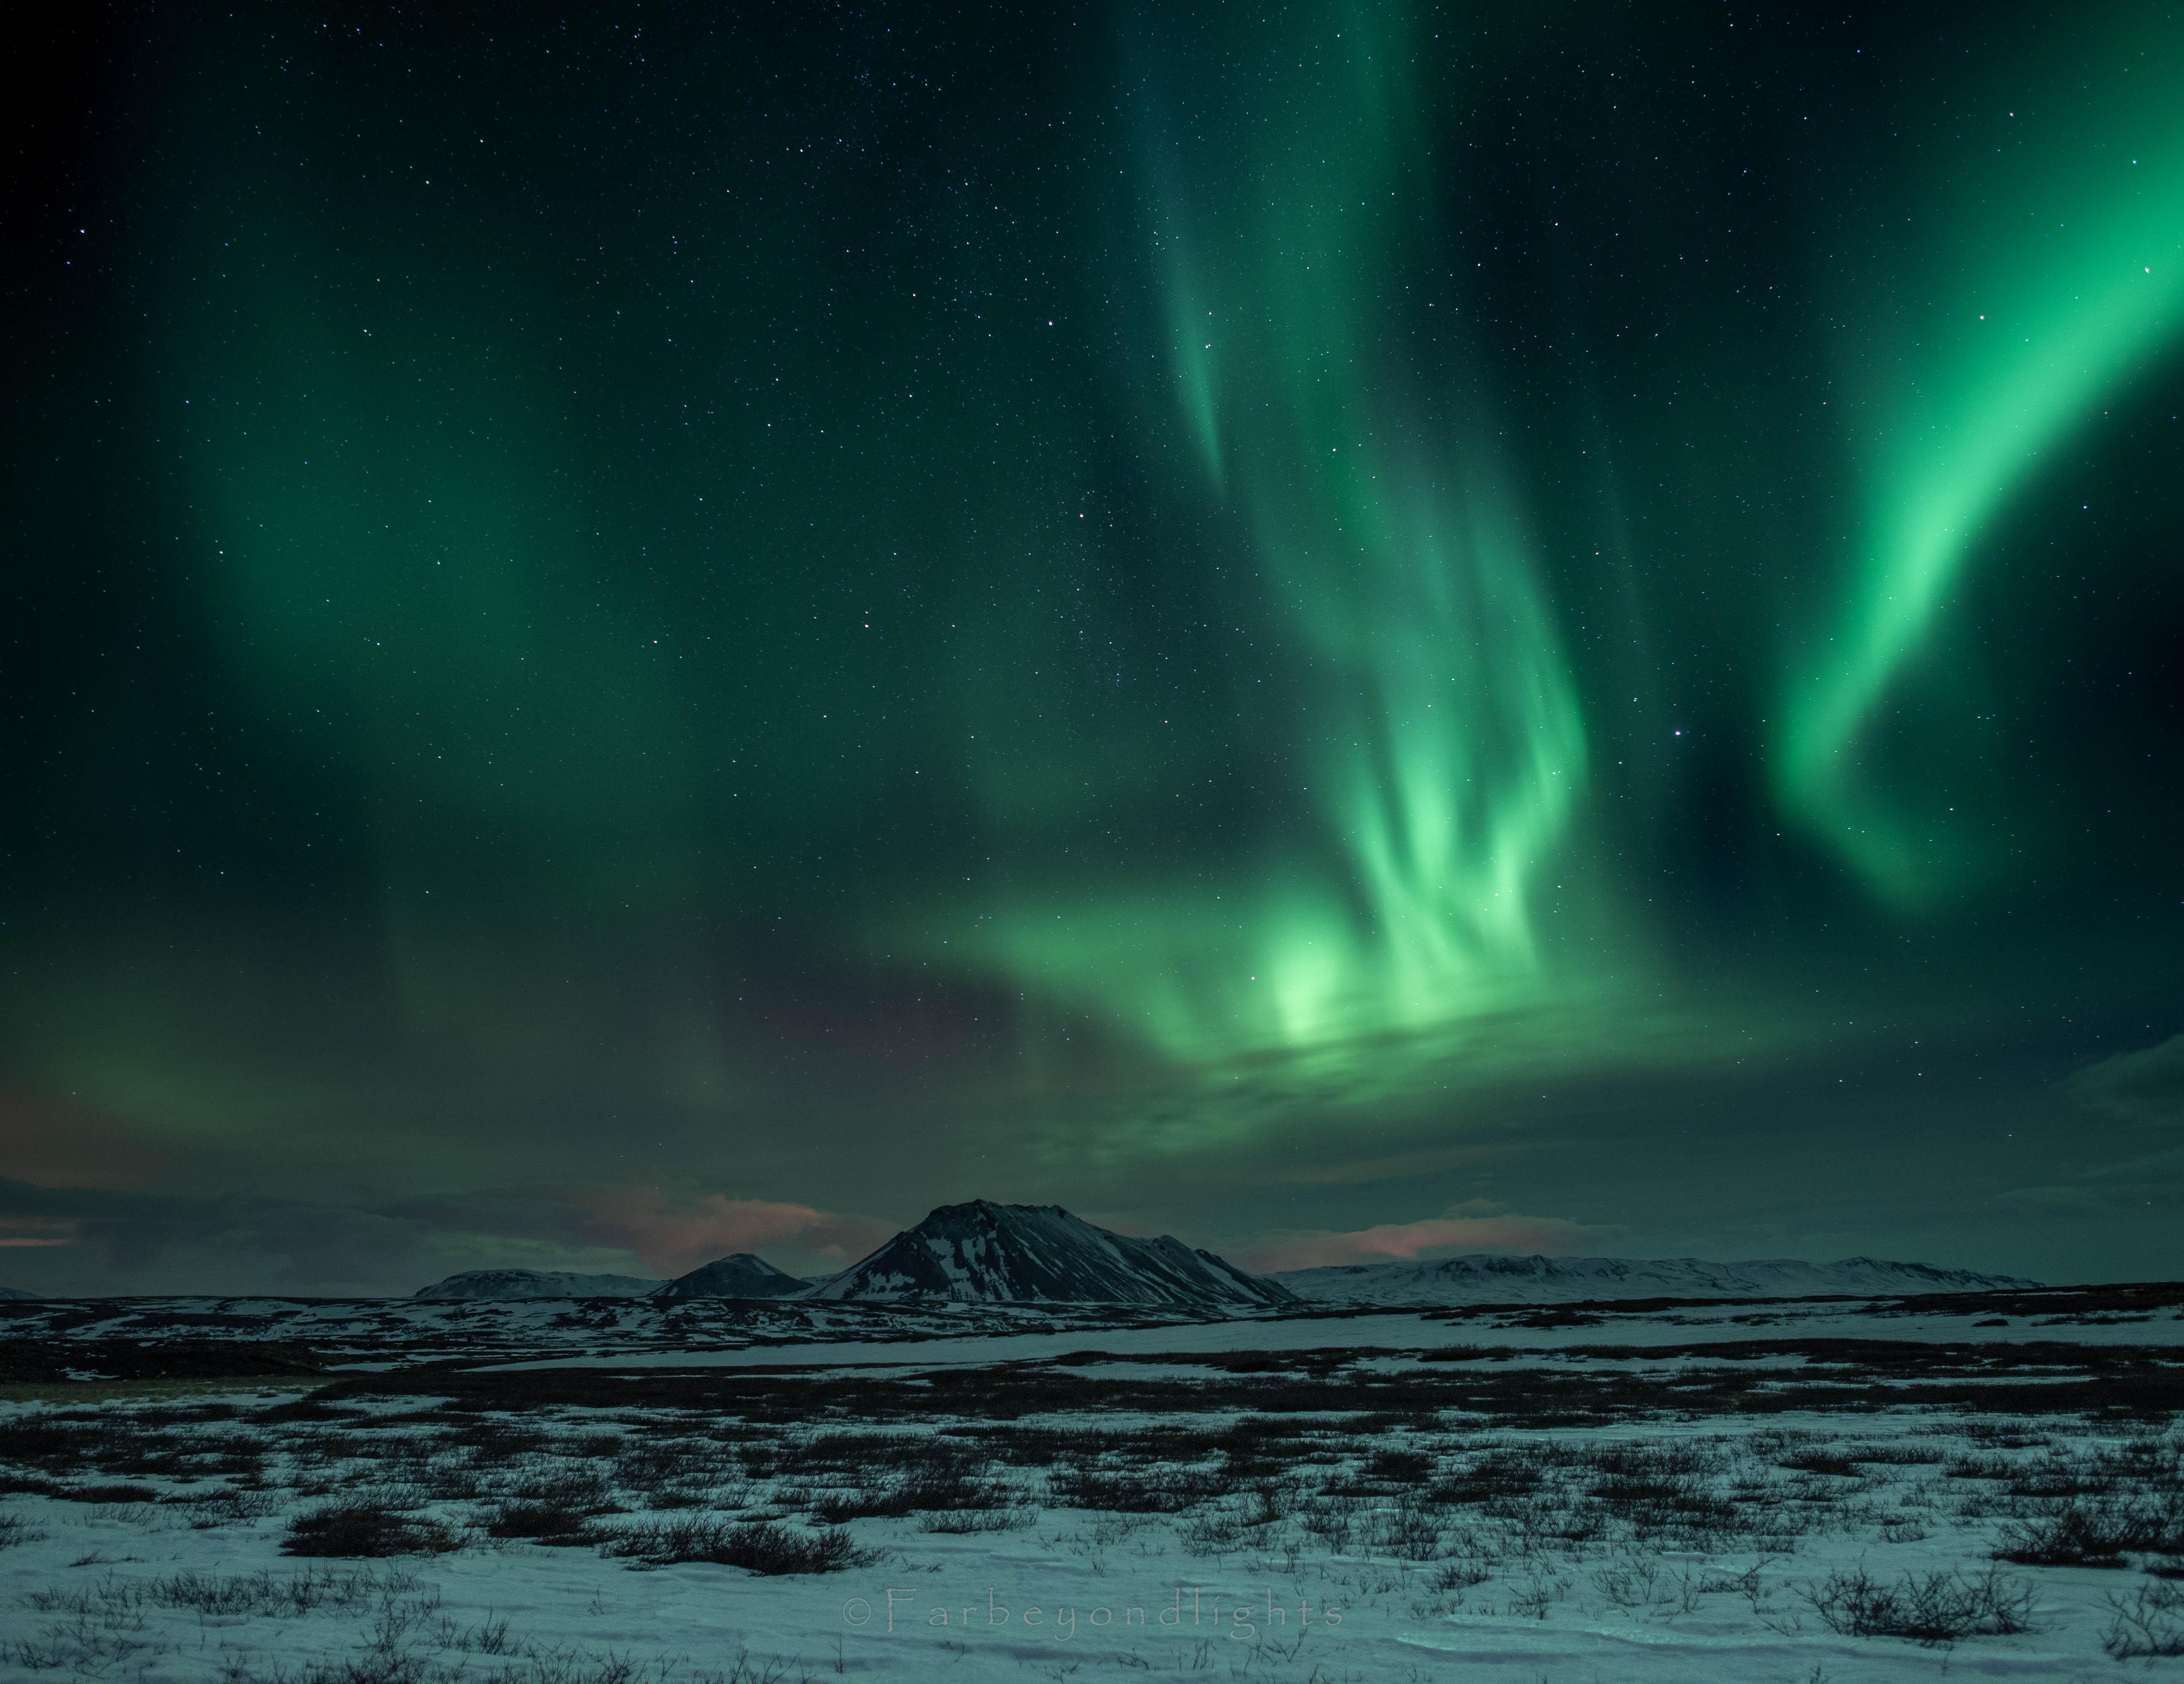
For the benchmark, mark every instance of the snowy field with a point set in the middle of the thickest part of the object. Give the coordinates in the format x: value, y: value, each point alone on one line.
x: 1528, y: 1334
x: 1903, y: 1498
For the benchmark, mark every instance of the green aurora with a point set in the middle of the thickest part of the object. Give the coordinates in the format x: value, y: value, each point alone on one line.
x: 1393, y: 567
x: 636, y: 637
x: 2043, y: 287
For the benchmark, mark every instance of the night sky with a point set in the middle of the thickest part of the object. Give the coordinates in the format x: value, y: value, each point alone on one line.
x: 1345, y: 631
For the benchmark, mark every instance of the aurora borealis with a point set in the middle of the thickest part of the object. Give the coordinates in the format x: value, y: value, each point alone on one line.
x: 1333, y: 630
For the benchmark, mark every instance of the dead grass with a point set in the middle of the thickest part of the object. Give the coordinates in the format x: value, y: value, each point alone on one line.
x: 149, y: 1391
x: 1933, y: 1609
x: 2095, y: 1532
x: 2147, y: 1626
x: 366, y: 1529
x: 759, y: 1546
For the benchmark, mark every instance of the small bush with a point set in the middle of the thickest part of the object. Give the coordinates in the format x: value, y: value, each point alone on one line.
x: 2148, y: 1625
x: 759, y: 1546
x: 977, y: 1520
x: 29, y: 1485
x: 305, y: 1410
x: 545, y: 1523
x: 2093, y: 1535
x: 1928, y: 1608
x: 1822, y: 1462
x: 221, y: 1505
x: 1497, y: 1472
x: 1400, y: 1467
x: 1160, y: 1490
x: 1212, y: 1531
x: 1899, y: 1455
x: 1408, y: 1534
x: 366, y: 1529
x: 1461, y: 1575
x: 947, y: 1488
x: 15, y: 1529
x: 107, y: 1494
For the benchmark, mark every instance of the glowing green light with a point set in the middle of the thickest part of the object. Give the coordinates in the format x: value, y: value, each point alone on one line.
x: 1446, y: 748
x: 2050, y: 294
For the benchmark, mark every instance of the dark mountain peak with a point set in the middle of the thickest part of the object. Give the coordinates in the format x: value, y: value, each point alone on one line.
x: 987, y: 1214
x: 984, y: 1253
x: 740, y: 1274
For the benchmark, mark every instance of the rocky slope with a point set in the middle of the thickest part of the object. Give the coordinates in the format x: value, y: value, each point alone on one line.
x: 742, y: 1274
x: 982, y: 1252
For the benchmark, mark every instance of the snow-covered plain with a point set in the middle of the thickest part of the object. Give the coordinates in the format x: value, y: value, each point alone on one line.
x: 1522, y: 1334
x: 1659, y: 1496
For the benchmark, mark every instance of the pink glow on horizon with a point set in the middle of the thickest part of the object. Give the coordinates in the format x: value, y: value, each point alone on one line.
x: 673, y: 1236
x: 1526, y: 1235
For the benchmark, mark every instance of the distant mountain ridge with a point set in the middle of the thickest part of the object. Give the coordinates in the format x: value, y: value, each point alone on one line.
x: 983, y: 1252
x: 989, y: 1253
x: 1482, y: 1279
x: 739, y: 1276
x: 536, y: 1283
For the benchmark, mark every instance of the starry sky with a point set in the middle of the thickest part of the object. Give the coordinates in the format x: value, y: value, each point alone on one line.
x: 1349, y: 630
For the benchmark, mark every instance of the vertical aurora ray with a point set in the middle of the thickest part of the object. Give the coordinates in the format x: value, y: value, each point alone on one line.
x: 2053, y: 282
x: 1191, y: 349
x: 1439, y: 742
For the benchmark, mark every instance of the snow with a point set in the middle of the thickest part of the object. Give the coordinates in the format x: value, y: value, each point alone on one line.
x: 1609, y: 1612
x: 1440, y: 1567
x: 1514, y: 1331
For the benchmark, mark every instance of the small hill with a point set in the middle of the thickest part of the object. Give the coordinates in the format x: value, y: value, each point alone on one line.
x: 982, y: 1252
x: 536, y: 1283
x: 1484, y: 1279
x: 18, y: 1292
x: 742, y: 1274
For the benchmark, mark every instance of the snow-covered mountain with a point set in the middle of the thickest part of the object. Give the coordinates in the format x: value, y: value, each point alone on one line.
x: 536, y: 1283
x: 741, y: 1275
x: 1484, y: 1279
x: 982, y: 1252
x: 18, y: 1292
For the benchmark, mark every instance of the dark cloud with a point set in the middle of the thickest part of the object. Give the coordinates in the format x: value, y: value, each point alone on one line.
x: 2146, y: 1086
x: 154, y: 1243
x: 105, y: 1240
